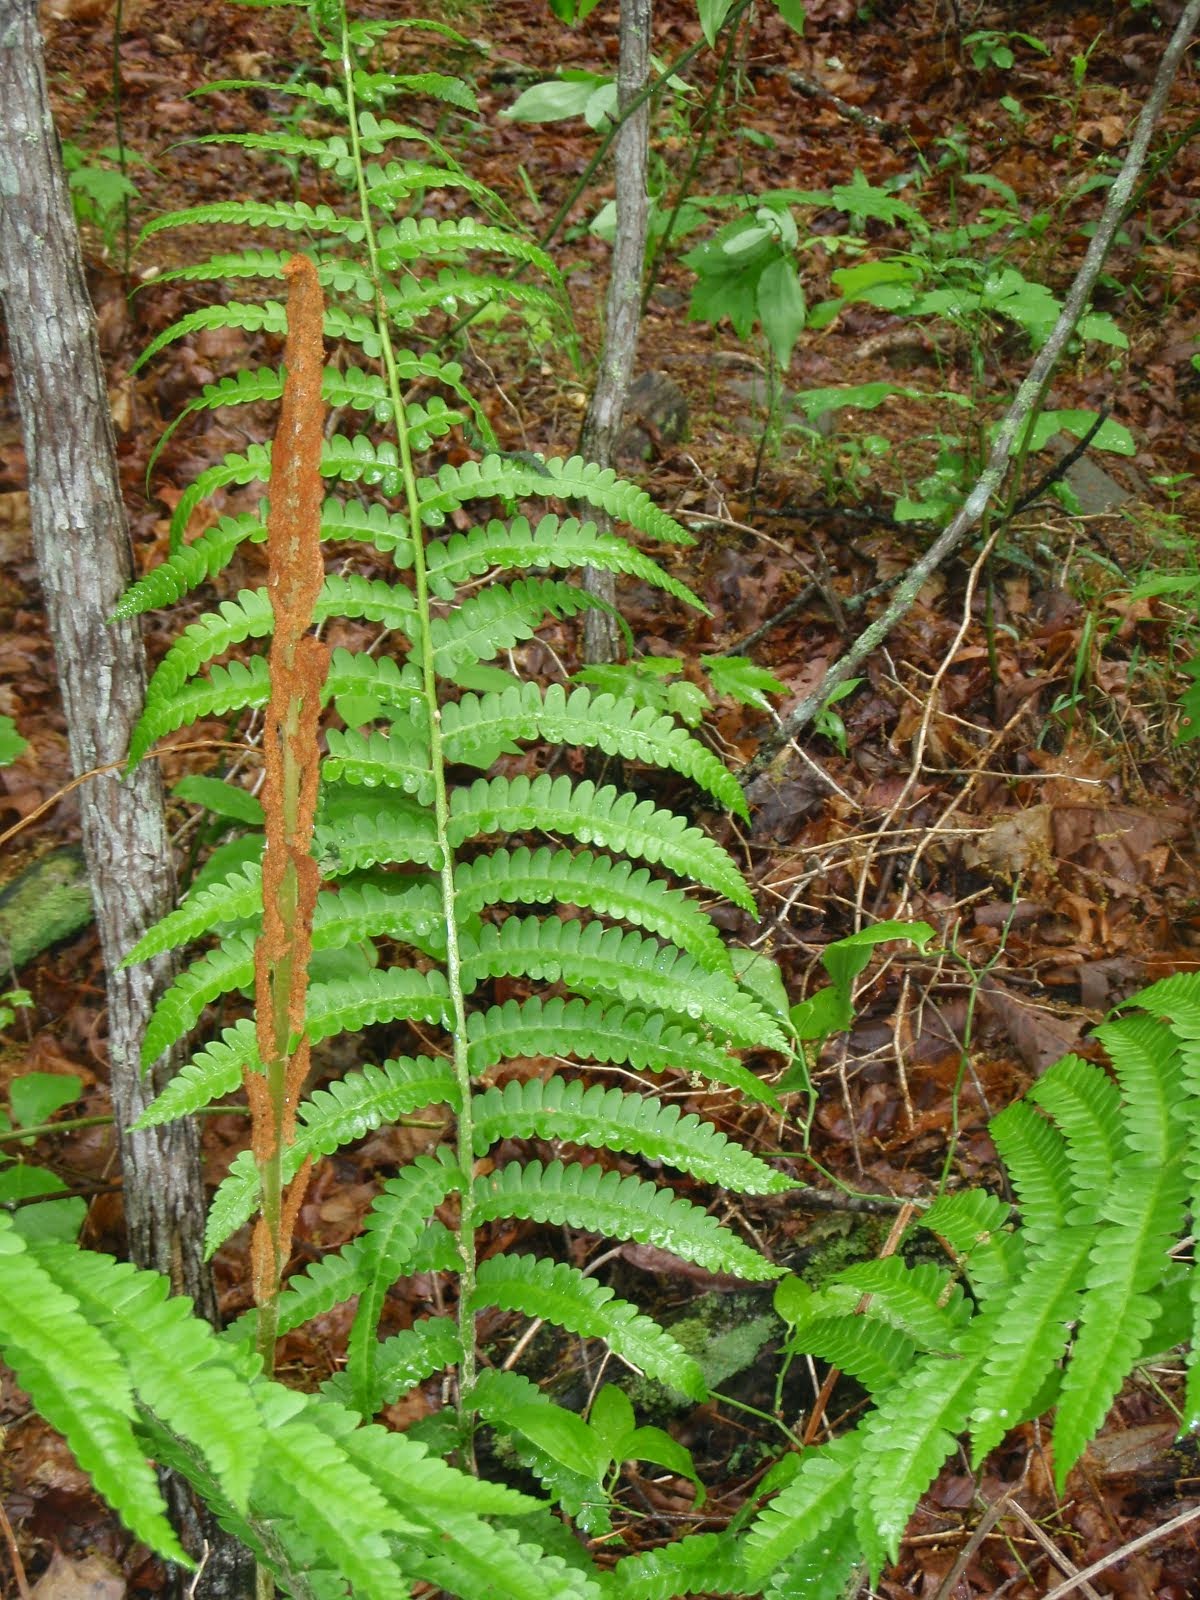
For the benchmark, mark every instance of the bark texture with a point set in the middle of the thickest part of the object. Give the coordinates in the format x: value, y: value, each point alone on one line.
x: 81, y: 541
x: 622, y: 319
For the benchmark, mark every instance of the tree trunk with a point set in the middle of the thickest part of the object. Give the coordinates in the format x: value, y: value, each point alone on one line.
x: 81, y: 541
x: 622, y: 312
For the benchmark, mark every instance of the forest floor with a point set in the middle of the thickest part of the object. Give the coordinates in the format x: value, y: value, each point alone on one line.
x: 1009, y: 768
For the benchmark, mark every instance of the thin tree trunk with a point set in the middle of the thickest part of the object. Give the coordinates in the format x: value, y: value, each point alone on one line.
x: 81, y: 542
x: 624, y: 300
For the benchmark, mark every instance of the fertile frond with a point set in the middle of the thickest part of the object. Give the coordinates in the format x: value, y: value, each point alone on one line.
x: 623, y: 1208
x: 561, y: 542
x: 181, y: 1372
x: 212, y: 1073
x: 698, y: 1564
x: 819, y: 1494
x: 79, y: 1383
x: 598, y: 961
x: 577, y: 1113
x: 498, y: 618
x: 595, y: 1031
x: 610, y: 888
x: 391, y: 1230
x: 618, y: 822
x: 567, y: 1297
x: 509, y: 478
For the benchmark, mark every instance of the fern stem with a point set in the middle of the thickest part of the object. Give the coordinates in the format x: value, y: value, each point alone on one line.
x: 462, y: 1072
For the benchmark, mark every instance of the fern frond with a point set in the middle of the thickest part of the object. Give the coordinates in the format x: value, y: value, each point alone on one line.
x: 411, y: 299
x: 591, y: 721
x: 591, y: 1030
x: 610, y: 888
x: 405, y: 1360
x: 561, y: 542
x: 459, y: 1559
x: 396, y: 181
x: 919, y: 1300
x: 380, y: 678
x: 192, y: 564
x: 235, y: 899
x: 698, y: 1564
x: 427, y: 238
x: 1035, y: 1155
x: 353, y: 1106
x: 567, y: 1297
x: 383, y: 828
x: 390, y: 1232
x: 623, y: 1208
x: 398, y: 759
x: 373, y: 524
x: 79, y: 1384
x: 593, y: 959
x: 876, y: 1353
x: 577, y: 1113
x: 512, y: 479
x: 819, y: 1494
x: 181, y: 1371
x: 974, y: 1225
x: 499, y: 618
x: 292, y: 216
x: 241, y: 686
x: 906, y: 1439
x: 1086, y: 1104
x: 231, y: 966
x: 829, y: 1567
x: 500, y: 1397
x: 383, y: 995
x: 618, y: 822
x: 212, y: 1073
x: 247, y: 617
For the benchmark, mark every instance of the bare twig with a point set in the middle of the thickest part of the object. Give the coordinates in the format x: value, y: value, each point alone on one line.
x: 1028, y: 397
x: 1078, y: 1580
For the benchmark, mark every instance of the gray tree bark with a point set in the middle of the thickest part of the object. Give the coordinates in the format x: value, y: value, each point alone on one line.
x: 81, y: 542
x: 622, y: 316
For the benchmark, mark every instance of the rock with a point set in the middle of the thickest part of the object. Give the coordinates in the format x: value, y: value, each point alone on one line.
x: 656, y: 414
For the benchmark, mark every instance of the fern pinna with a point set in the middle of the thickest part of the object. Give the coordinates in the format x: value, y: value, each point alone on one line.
x: 438, y: 882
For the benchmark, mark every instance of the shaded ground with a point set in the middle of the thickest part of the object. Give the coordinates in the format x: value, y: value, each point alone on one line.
x: 1036, y: 808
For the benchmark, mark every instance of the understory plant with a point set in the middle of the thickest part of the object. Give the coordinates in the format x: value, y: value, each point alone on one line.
x: 431, y: 859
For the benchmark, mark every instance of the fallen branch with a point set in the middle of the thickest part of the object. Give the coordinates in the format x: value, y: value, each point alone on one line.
x: 1027, y: 399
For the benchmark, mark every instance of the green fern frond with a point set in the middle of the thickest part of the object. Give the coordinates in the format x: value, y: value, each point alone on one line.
x: 596, y: 960
x: 373, y: 524
x: 393, y: 687
x: 499, y: 618
x: 610, y: 888
x: 398, y: 759
x: 561, y: 542
x: 326, y: 1283
x: 252, y: 467
x: 247, y: 617
x: 193, y: 564
x: 383, y: 995
x: 459, y: 1559
x: 181, y: 1371
x: 1035, y: 1156
x: 213, y: 1072
x: 382, y: 828
x: 412, y: 299
x: 591, y: 1030
x: 499, y: 1397
x: 79, y: 1384
x: 390, y: 1232
x: 231, y: 966
x: 820, y: 1494
x: 567, y: 1297
x: 877, y: 1354
x: 618, y: 822
x: 509, y: 478
x: 353, y: 1106
x: 905, y: 1442
x: 919, y: 1300
x: 623, y: 1208
x: 405, y: 1360
x: 577, y: 1113
x: 974, y: 1225
x: 1086, y: 1104
x: 592, y: 721
x: 245, y: 315
x: 293, y: 216
x: 698, y: 1564
x: 241, y: 686
x: 235, y: 899
x: 388, y: 185
x: 426, y: 238
x: 829, y: 1567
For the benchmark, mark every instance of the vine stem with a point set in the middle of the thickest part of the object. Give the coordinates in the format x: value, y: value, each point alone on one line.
x: 458, y: 1013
